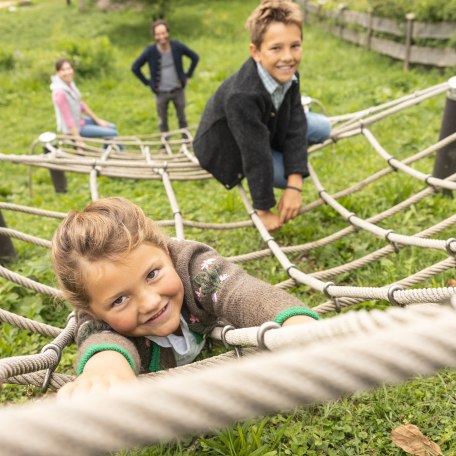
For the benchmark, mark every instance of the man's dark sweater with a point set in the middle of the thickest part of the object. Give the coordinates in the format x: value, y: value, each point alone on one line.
x: 151, y: 55
x: 240, y: 126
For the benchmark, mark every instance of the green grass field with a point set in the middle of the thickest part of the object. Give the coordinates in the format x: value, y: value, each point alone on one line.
x: 344, y: 78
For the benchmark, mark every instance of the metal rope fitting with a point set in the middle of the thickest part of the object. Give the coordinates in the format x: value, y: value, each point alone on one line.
x: 262, y: 330
x: 50, y: 370
x: 390, y: 295
x: 448, y: 246
x: 393, y: 244
x: 390, y: 165
x: 290, y: 267
x: 236, y: 348
x: 325, y: 289
x: 335, y: 300
x: 426, y: 181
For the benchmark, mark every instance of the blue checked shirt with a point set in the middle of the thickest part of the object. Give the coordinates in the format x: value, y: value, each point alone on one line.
x: 276, y: 90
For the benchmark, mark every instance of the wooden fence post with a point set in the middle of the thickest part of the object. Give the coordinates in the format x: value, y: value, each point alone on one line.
x: 408, y: 39
x: 369, y: 31
x: 305, y: 12
x: 7, y: 251
x: 445, y: 160
x: 340, y: 18
x: 320, y: 8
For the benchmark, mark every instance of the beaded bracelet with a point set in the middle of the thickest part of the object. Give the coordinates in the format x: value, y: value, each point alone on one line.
x: 292, y: 187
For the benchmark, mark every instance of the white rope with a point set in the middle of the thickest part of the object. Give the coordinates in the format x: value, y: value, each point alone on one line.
x: 169, y: 408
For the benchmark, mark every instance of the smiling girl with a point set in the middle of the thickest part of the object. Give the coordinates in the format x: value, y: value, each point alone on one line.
x: 145, y: 302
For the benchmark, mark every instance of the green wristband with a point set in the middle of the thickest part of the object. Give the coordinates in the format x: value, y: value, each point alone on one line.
x: 94, y: 349
x: 293, y: 311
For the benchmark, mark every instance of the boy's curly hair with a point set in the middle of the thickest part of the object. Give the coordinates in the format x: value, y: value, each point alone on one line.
x: 270, y: 11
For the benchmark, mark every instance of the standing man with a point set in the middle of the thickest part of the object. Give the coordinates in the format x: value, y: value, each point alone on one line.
x: 167, y: 75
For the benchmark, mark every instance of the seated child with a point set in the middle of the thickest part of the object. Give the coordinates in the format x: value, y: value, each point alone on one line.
x: 145, y: 302
x: 254, y: 126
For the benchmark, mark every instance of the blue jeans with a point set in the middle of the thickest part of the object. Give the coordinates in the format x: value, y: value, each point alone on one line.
x: 92, y: 130
x: 318, y: 130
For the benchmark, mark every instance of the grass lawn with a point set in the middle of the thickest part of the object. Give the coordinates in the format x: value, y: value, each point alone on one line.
x: 345, y: 79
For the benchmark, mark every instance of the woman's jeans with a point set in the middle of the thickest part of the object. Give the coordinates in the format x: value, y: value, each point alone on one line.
x: 91, y: 130
x: 318, y: 130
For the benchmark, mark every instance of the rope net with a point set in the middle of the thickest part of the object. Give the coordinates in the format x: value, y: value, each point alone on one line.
x: 355, y: 347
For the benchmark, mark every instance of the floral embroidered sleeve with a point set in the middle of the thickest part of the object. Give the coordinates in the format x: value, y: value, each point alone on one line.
x: 229, y: 293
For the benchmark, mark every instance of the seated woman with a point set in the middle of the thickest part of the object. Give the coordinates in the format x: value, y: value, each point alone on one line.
x: 73, y: 116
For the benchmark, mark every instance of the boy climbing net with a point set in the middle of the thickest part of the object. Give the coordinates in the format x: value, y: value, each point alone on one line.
x: 254, y: 126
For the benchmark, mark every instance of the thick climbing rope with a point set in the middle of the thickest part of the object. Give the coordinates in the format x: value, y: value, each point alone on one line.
x: 47, y: 359
x: 208, y: 399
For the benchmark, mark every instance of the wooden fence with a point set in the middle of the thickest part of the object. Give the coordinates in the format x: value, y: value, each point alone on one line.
x: 408, y: 31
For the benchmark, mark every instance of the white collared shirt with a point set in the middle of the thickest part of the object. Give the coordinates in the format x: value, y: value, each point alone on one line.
x: 185, y: 347
x: 276, y: 90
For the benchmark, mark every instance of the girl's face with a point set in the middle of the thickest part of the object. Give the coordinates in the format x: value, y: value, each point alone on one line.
x: 138, y: 295
x: 66, y: 73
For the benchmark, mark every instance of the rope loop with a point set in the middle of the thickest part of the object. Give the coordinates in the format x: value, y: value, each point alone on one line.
x: 391, y: 298
x: 50, y: 370
x: 262, y: 330
x: 236, y: 348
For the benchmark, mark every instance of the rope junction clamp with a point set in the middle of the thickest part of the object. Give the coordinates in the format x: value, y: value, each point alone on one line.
x: 50, y: 370
x: 426, y: 181
x: 448, y: 246
x: 391, y: 298
x: 236, y: 348
x: 393, y: 244
x: 390, y: 165
x: 335, y: 300
x: 262, y: 330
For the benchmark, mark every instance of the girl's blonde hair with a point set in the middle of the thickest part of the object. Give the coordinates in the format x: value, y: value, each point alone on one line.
x: 269, y: 11
x: 107, y: 229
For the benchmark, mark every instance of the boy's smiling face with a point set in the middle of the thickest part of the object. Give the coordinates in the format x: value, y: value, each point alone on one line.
x: 138, y: 295
x: 280, y: 52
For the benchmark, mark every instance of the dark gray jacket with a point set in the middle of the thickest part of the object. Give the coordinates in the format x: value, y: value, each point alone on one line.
x: 240, y: 126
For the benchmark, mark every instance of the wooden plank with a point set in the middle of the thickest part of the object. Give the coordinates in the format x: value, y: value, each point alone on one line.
x: 350, y: 35
x: 439, y: 57
x: 437, y: 31
x: 382, y: 24
x: 386, y: 47
x: 353, y: 17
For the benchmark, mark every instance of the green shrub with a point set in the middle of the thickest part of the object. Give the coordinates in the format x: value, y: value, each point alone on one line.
x: 7, y: 58
x: 425, y: 10
x: 95, y: 57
